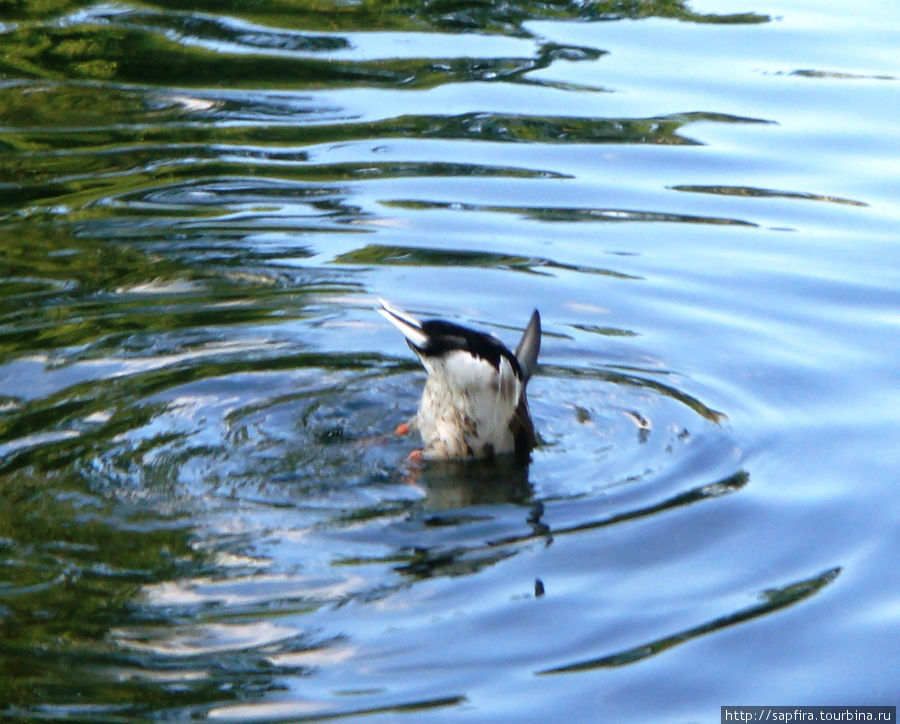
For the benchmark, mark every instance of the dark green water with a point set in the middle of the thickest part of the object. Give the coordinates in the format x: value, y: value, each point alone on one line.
x: 202, y: 512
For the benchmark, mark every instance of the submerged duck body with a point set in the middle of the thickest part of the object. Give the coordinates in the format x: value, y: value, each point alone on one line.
x: 474, y: 403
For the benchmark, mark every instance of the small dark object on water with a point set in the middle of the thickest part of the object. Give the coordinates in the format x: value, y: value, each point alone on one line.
x: 335, y: 433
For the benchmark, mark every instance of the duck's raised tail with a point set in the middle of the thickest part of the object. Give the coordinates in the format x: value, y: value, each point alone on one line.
x: 530, y: 345
x: 409, y: 326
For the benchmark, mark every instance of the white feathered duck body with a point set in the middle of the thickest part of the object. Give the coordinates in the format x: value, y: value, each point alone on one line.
x: 474, y: 404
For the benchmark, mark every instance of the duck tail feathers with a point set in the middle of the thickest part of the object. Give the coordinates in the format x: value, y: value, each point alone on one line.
x: 530, y: 345
x: 409, y: 326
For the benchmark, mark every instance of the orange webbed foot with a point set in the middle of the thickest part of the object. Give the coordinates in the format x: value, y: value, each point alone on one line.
x: 402, y: 429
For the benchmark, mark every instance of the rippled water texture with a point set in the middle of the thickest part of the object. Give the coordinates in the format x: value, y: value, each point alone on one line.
x: 203, y: 511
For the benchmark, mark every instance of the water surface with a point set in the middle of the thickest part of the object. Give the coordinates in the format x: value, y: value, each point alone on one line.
x: 204, y: 514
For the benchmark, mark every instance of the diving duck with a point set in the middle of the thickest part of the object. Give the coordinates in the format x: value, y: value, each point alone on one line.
x: 473, y: 404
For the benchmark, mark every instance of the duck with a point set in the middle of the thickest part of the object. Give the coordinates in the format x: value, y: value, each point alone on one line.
x: 473, y: 404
